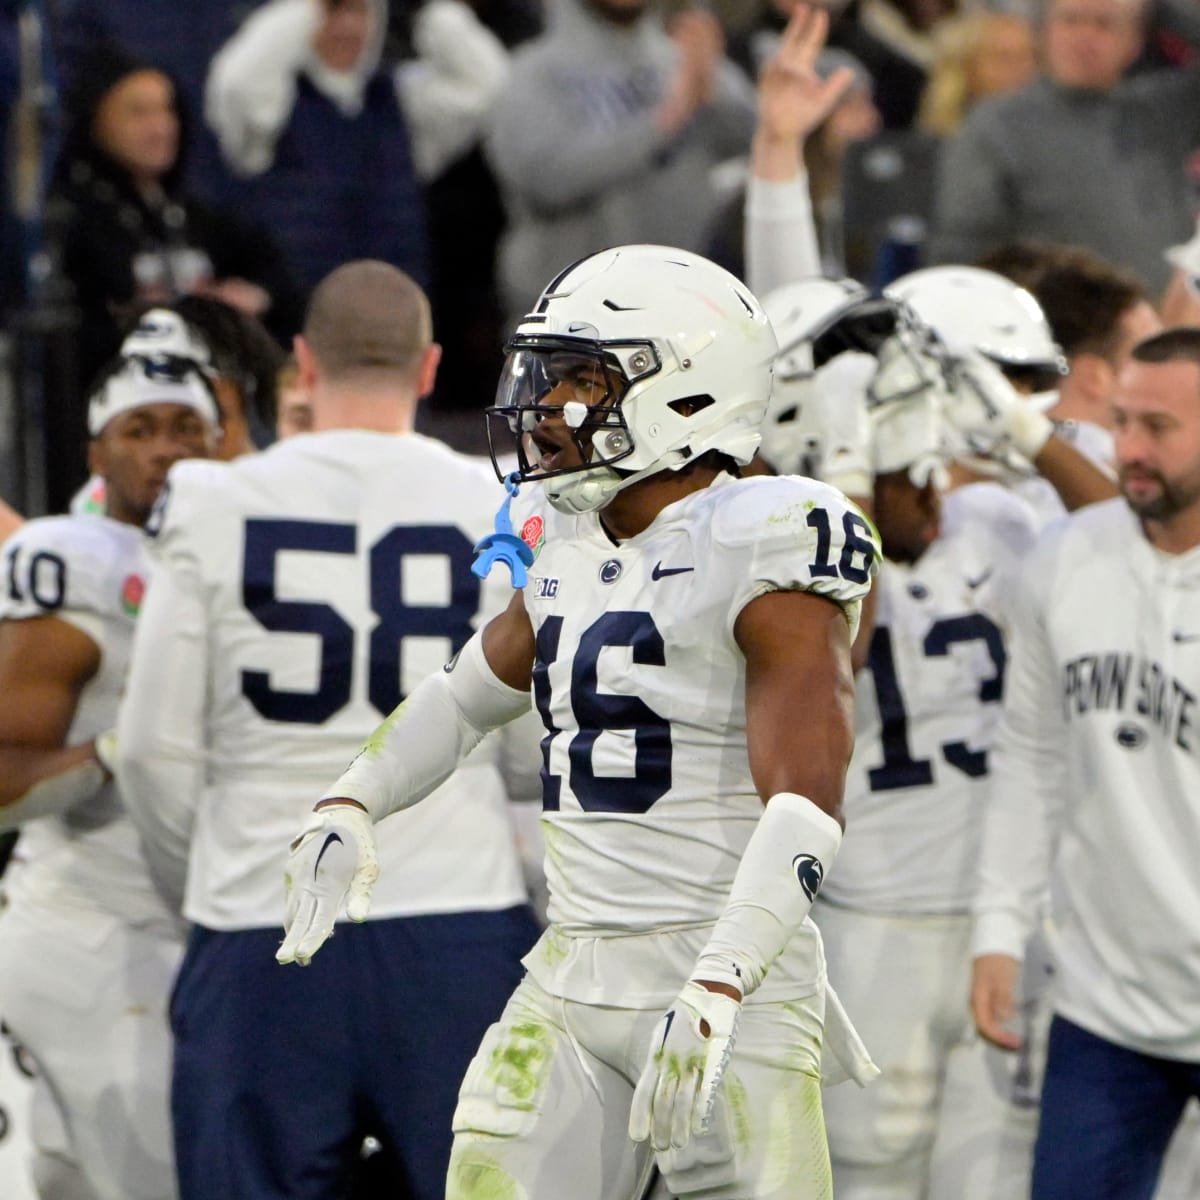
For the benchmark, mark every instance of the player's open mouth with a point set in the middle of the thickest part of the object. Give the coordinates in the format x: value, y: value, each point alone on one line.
x: 552, y: 453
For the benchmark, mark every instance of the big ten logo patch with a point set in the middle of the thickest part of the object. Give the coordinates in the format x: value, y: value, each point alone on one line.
x: 545, y: 588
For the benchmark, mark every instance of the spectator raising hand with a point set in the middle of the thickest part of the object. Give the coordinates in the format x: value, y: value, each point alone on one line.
x: 792, y: 98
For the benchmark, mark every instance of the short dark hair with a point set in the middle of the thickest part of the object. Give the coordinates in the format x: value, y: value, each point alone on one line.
x: 1022, y: 260
x: 1084, y: 298
x: 1181, y: 343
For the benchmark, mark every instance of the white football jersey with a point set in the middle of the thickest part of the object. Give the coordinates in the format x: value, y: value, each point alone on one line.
x: 1101, y: 738
x: 926, y: 710
x: 331, y: 574
x: 648, y: 798
x: 90, y: 572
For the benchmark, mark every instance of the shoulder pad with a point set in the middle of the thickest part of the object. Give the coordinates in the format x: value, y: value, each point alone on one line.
x: 774, y: 508
x: 789, y: 533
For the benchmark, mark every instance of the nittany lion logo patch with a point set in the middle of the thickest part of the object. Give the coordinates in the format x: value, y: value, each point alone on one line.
x: 810, y: 873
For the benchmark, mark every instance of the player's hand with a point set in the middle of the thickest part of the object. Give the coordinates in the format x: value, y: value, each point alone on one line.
x: 993, y: 999
x: 333, y: 859
x: 688, y: 1056
x: 989, y: 412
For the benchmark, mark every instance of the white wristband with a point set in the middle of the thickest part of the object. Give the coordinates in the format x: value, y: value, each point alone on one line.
x: 784, y: 864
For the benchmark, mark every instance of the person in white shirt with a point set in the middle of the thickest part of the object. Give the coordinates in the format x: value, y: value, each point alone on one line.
x: 299, y: 595
x: 88, y: 946
x: 686, y: 637
x: 1095, y: 788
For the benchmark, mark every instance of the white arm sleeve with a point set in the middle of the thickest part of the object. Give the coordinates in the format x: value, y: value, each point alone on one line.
x: 791, y: 848
x: 781, y: 236
x: 160, y: 731
x: 1026, y: 776
x: 251, y: 86
x: 421, y: 743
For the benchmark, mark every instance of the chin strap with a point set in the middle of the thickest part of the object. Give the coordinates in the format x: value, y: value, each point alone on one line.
x: 504, y: 546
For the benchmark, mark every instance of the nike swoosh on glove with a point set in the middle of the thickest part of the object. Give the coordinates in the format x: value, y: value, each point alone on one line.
x: 333, y: 859
x: 688, y: 1055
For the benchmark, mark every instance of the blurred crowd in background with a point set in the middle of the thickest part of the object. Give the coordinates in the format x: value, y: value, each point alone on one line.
x: 238, y: 152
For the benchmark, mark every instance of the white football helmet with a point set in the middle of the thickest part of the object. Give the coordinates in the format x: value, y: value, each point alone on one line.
x: 833, y: 338
x: 655, y: 355
x: 973, y: 309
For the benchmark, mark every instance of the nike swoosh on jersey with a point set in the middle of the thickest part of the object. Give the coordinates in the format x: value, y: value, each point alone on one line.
x: 329, y: 840
x: 661, y: 572
x: 1179, y: 636
x: 980, y: 580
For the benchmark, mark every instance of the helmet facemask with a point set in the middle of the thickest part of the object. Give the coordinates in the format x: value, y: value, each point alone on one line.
x: 559, y: 406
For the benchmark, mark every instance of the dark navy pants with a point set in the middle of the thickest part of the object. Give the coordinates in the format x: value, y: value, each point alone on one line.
x: 1107, y: 1116
x: 281, y: 1071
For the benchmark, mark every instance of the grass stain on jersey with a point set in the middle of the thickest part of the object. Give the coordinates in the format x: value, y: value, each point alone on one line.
x: 791, y: 514
x: 554, y: 947
x: 739, y: 1111
x: 796, y: 1147
x: 520, y: 1064
x: 474, y: 1176
x: 552, y: 840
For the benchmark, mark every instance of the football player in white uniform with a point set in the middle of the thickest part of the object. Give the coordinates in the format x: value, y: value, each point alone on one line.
x: 926, y: 708
x: 88, y: 947
x: 686, y: 637
x: 1097, y: 740
x: 299, y: 595
x: 999, y: 366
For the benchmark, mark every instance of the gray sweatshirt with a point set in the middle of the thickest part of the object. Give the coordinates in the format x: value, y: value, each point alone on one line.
x: 580, y: 162
x: 1100, y: 169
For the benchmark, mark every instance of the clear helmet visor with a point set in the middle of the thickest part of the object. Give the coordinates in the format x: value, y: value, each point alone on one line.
x: 558, y: 407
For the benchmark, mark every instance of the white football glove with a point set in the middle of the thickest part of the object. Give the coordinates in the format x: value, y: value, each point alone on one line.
x: 678, y: 1085
x: 989, y: 412
x: 334, y: 858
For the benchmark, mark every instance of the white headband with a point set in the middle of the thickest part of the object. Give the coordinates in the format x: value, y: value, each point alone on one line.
x: 143, y: 381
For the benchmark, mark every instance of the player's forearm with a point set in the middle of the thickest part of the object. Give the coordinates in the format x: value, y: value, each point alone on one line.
x: 1077, y: 480
x: 39, y: 783
x: 419, y: 746
x: 781, y: 871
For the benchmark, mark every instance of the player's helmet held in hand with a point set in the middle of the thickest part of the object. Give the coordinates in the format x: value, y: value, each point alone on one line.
x: 830, y: 333
x: 971, y: 309
x: 636, y: 360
